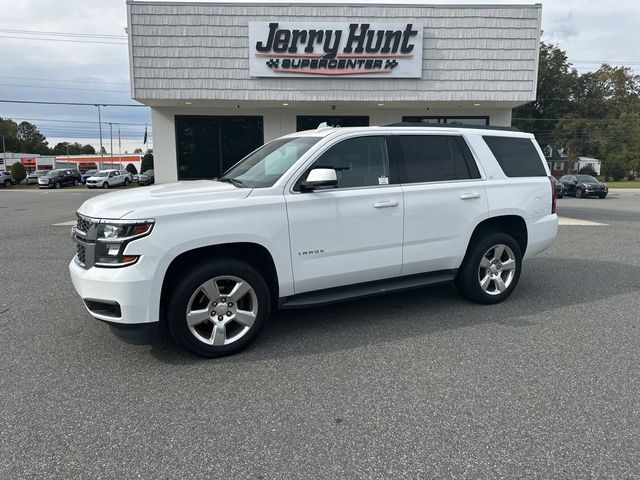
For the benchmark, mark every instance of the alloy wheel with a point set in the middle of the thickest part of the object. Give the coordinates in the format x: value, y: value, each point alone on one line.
x: 222, y: 310
x: 497, y: 269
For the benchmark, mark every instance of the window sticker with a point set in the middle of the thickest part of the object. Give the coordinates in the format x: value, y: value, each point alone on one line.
x: 383, y: 180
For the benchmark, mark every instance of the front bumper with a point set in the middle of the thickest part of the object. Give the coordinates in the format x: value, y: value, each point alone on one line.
x: 128, y: 287
x: 594, y: 193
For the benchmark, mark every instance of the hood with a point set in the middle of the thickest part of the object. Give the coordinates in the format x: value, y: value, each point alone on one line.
x: 156, y: 200
x: 591, y: 183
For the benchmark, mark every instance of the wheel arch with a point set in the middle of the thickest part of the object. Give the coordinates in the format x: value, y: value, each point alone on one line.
x: 513, y: 225
x: 254, y: 254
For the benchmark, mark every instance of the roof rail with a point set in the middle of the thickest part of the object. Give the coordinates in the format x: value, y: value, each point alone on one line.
x: 453, y: 125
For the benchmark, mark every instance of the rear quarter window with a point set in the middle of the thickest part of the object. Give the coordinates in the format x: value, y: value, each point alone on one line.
x: 517, y: 157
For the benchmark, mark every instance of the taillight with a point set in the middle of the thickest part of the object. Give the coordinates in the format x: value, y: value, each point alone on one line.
x: 554, y: 194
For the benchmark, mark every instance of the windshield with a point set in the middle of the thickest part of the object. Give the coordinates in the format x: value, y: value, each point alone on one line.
x: 39, y: 172
x: 586, y: 178
x: 148, y: 172
x: 265, y: 166
x: 90, y: 172
x: 101, y: 174
x: 52, y: 173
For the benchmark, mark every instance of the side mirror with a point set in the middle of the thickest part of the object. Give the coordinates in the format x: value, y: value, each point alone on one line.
x: 319, y: 178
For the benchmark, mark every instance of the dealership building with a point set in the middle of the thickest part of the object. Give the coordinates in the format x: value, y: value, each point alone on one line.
x: 223, y: 78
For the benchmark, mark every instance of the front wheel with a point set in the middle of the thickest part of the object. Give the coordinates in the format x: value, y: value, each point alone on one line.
x: 218, y: 308
x: 603, y: 196
x: 578, y: 193
x: 105, y: 185
x: 57, y: 185
x: 491, y: 269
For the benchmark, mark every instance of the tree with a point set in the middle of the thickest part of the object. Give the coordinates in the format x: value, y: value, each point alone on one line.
x: 131, y: 168
x: 137, y: 150
x: 588, y: 170
x: 147, y: 162
x: 30, y: 139
x: 9, y: 130
x: 87, y: 150
x: 18, y: 172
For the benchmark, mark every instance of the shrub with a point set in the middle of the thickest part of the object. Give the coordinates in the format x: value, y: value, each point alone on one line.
x: 615, y: 169
x: 18, y: 172
x: 131, y: 168
x: 588, y: 170
x: 147, y: 162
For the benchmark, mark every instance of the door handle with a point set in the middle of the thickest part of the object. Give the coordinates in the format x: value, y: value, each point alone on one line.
x: 385, y: 204
x: 468, y: 196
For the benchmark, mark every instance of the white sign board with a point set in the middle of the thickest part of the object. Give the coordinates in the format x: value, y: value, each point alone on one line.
x: 342, y: 50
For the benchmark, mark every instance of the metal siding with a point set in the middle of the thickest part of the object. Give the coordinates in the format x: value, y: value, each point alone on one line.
x: 190, y: 51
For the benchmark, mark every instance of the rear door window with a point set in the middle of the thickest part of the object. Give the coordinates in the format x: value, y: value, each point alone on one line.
x: 518, y: 157
x: 436, y: 158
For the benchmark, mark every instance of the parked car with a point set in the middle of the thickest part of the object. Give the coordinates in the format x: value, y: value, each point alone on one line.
x: 108, y: 178
x: 146, y: 178
x: 6, y: 179
x: 88, y: 174
x: 59, y: 178
x: 559, y: 189
x: 32, y: 178
x: 313, y: 218
x: 583, y: 186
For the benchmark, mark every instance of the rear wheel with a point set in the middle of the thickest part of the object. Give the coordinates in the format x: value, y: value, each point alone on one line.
x: 491, y: 269
x: 126, y: 182
x: 218, y: 308
x: 57, y: 185
x: 7, y: 183
x: 76, y: 183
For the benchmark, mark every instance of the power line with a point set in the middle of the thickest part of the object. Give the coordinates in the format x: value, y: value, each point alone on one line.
x: 63, y: 88
x: 72, y: 103
x: 60, y: 80
x: 60, y: 40
x: 74, y: 121
x: 62, y: 34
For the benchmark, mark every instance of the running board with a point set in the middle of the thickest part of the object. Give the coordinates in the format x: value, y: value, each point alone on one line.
x: 361, y: 290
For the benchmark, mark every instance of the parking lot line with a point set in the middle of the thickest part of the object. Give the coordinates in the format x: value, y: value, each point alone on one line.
x: 577, y: 222
x: 70, y: 223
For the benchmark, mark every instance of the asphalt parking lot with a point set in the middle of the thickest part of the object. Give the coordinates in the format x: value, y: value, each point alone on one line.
x: 415, y: 385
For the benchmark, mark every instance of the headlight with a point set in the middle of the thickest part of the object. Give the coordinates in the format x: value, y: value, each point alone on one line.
x: 113, y: 238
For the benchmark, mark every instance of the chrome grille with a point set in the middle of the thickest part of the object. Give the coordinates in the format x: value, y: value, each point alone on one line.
x: 83, y: 224
x: 81, y: 252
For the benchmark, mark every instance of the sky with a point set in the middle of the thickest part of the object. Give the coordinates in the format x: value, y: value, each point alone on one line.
x: 89, y: 63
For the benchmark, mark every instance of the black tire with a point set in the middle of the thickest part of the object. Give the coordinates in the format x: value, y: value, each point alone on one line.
x: 602, y: 196
x: 468, y: 278
x: 189, y: 283
x: 578, y: 193
x: 126, y: 182
x: 7, y: 183
x: 105, y: 185
x: 560, y: 195
x: 57, y: 185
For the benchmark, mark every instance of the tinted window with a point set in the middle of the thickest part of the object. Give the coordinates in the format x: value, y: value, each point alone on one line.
x: 517, y: 156
x: 464, y: 162
x: 359, y: 162
x: 427, y: 158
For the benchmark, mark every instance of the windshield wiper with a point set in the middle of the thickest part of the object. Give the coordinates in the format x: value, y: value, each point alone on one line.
x: 233, y: 181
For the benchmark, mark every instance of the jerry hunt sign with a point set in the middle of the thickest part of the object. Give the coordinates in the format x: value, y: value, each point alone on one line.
x: 360, y: 50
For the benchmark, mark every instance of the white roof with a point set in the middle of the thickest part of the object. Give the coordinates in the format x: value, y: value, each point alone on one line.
x: 326, y: 131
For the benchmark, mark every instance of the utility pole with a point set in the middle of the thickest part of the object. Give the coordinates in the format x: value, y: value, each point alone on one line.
x: 4, y: 154
x: 100, y: 126
x: 119, y: 145
x: 111, y: 132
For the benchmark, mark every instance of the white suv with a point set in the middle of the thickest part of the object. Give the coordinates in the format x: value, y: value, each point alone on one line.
x: 109, y: 178
x: 311, y: 218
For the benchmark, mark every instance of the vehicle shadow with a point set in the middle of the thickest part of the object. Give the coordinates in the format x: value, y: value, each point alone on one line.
x: 546, y: 284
